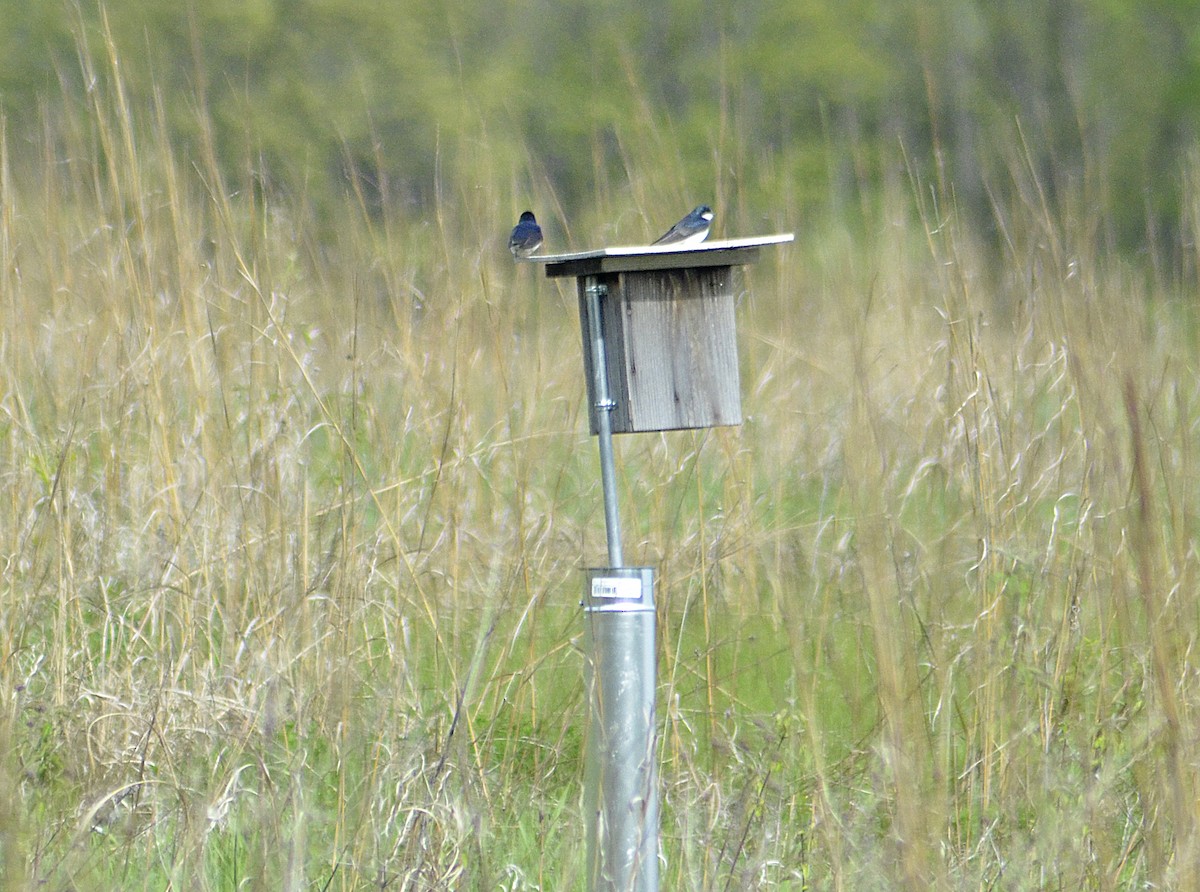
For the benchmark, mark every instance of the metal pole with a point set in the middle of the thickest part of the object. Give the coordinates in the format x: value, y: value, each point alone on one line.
x: 621, y: 789
x: 603, y: 407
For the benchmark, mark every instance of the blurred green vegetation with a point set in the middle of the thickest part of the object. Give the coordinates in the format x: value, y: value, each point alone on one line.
x: 781, y: 107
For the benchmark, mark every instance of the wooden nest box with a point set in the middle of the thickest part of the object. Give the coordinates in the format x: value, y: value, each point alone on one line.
x: 667, y: 317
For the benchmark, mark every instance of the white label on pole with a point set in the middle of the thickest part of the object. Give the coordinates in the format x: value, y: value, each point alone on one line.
x: 627, y: 588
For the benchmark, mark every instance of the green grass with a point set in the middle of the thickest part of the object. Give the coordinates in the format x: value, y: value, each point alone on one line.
x: 294, y: 516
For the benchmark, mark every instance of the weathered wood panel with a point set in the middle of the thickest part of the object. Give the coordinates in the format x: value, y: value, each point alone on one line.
x: 670, y: 348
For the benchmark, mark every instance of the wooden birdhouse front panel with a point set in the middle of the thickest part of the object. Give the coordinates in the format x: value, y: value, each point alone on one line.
x: 671, y: 348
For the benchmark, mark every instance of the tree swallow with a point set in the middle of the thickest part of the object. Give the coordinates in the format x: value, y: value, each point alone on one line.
x: 526, y: 236
x: 691, y: 230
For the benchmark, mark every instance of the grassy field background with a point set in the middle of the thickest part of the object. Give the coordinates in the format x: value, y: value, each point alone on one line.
x: 295, y: 507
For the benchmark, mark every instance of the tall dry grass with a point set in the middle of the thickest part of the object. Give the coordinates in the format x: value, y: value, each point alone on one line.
x: 294, y: 511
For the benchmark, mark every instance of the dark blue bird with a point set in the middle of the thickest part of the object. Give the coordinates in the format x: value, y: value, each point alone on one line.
x: 526, y: 236
x: 691, y: 230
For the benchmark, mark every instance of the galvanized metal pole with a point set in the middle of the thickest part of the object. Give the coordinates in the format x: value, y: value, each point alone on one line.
x: 603, y: 407
x: 621, y: 791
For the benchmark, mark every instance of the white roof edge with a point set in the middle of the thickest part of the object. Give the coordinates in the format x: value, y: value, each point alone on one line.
x: 630, y: 250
